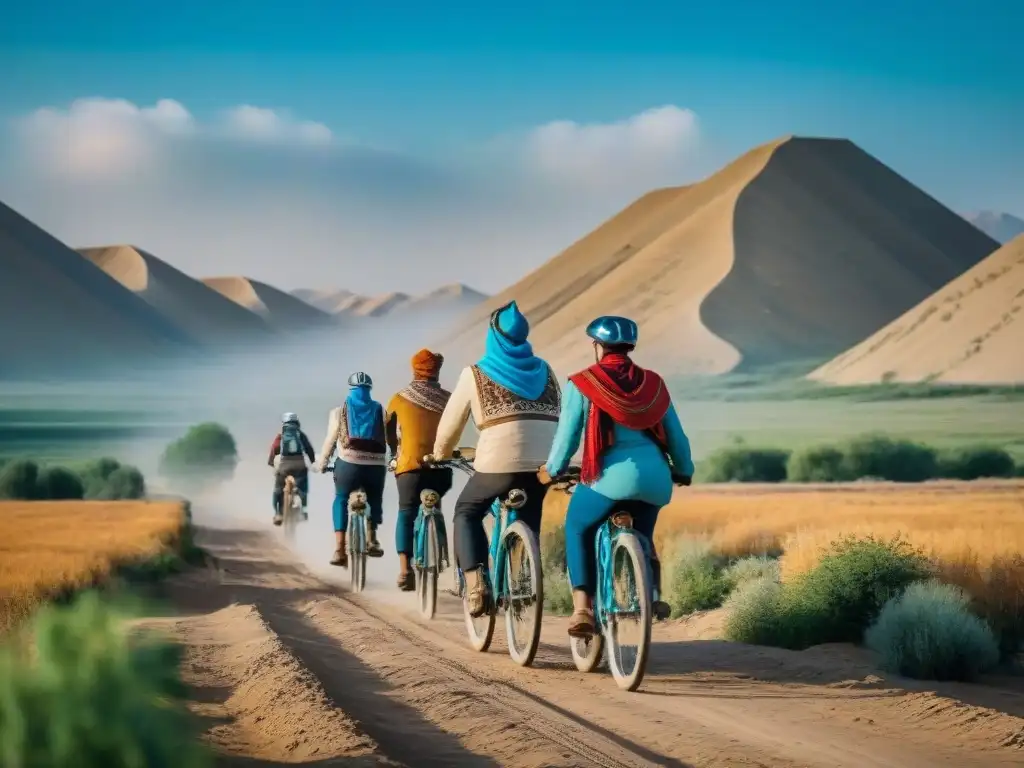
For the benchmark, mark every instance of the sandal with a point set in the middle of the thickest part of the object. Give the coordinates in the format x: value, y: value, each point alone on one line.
x: 340, y: 558
x: 582, y: 624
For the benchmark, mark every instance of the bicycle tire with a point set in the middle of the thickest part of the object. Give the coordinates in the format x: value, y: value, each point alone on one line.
x: 524, y: 657
x: 427, y: 582
x: 357, y: 551
x: 286, y: 509
x: 629, y: 680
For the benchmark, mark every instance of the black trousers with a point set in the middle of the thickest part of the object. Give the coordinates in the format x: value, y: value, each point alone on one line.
x: 410, y: 486
x: 476, y: 499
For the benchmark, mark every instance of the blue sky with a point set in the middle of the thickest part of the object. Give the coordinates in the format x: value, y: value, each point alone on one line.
x: 934, y: 89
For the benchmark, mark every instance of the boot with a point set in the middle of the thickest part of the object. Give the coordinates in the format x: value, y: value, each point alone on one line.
x: 373, y: 548
x: 340, y: 557
x: 478, y: 593
x: 406, y: 578
x: 278, y: 517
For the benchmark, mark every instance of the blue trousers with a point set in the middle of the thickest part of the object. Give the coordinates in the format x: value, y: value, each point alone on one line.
x: 351, y: 477
x: 587, y: 510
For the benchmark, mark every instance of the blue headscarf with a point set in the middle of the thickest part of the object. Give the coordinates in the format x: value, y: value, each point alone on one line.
x: 365, y: 416
x: 508, y: 357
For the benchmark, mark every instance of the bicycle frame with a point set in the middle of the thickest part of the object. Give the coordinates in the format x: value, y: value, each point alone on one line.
x: 606, y: 604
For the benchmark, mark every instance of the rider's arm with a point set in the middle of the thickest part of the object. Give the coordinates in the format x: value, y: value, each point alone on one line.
x: 391, y: 426
x: 456, y: 414
x: 331, y: 441
x: 678, y: 443
x: 570, y: 429
x: 275, y: 448
x: 308, y: 448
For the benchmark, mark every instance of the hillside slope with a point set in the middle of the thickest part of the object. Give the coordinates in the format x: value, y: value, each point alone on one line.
x: 971, y: 331
x: 187, y: 303
x: 63, y: 314
x: 279, y: 309
x: 795, y: 251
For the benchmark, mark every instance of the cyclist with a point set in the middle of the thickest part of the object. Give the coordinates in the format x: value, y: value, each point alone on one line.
x: 355, y: 431
x: 292, y: 446
x: 631, y: 432
x: 514, y: 399
x: 412, y: 418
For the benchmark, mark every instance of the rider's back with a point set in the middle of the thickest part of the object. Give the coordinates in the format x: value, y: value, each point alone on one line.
x: 417, y: 428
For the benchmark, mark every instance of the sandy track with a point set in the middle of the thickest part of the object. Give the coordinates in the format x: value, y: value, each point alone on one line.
x: 296, y: 670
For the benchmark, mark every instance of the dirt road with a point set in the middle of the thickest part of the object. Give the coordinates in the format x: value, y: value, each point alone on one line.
x: 288, y: 668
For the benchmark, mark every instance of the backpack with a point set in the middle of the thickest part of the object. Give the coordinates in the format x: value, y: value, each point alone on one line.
x: 291, y: 441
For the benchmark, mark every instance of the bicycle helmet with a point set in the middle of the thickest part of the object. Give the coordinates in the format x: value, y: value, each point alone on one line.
x: 613, y: 331
x: 360, y: 379
x: 290, y: 418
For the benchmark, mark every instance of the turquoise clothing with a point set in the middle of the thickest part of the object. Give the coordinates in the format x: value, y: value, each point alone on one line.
x: 508, y: 357
x: 634, y: 466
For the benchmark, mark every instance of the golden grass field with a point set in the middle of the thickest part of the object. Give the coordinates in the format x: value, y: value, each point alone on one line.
x: 48, y: 548
x: 972, y: 532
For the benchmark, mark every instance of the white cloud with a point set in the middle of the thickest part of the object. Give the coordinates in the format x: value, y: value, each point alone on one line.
x: 236, y: 192
x: 649, y: 147
x: 261, y: 124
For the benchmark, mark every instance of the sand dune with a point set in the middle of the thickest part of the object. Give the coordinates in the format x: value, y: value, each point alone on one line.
x: 1001, y: 227
x: 971, y: 331
x: 279, y: 309
x: 795, y: 251
x: 192, y: 306
x: 448, y: 298
x: 61, y: 313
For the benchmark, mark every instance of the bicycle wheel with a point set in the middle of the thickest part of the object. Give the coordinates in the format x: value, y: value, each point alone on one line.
x: 357, y: 551
x: 587, y: 652
x: 286, y: 510
x: 480, y: 629
x: 628, y: 632
x: 524, y: 593
x: 426, y: 582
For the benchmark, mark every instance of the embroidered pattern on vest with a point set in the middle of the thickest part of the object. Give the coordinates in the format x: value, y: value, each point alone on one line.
x: 499, y: 405
x: 426, y: 395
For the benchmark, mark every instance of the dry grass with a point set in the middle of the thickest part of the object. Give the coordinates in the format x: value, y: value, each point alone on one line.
x: 973, y: 532
x: 50, y: 548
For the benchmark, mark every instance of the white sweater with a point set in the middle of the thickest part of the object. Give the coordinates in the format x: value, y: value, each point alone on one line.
x: 514, y: 445
x: 333, y: 444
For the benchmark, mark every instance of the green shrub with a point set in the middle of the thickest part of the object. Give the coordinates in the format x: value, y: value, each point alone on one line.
x: 764, y: 612
x: 95, y: 475
x: 901, y: 461
x: 696, y: 581
x: 89, y: 693
x: 822, y: 464
x: 124, y: 483
x: 59, y: 483
x: 750, y: 569
x: 557, y: 592
x: 975, y: 463
x: 854, y: 579
x: 206, y: 454
x: 929, y: 633
x: 739, y: 464
x: 20, y: 480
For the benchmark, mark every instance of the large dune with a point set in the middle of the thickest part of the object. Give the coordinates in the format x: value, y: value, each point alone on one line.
x: 971, y: 331
x: 201, y: 311
x: 279, y: 309
x: 795, y: 251
x: 60, y: 313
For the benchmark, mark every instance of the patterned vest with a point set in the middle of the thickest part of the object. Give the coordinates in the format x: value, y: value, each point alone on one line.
x: 499, y: 405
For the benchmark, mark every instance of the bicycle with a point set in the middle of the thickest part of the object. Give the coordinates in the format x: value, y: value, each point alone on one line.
x: 430, y: 549
x: 625, y: 589
x: 517, y: 584
x: 358, y: 534
x: 291, y: 507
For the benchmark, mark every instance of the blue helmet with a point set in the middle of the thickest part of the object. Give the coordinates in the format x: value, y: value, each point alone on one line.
x: 612, y: 330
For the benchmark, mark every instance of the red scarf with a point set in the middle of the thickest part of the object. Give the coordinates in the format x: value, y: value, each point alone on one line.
x: 620, y: 392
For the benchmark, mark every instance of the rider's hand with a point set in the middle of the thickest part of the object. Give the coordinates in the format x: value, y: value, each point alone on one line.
x: 543, y: 475
x: 681, y: 479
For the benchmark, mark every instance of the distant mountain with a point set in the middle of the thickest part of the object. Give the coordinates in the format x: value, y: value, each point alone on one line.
x: 277, y: 308
x: 1002, y: 227
x: 448, y: 298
